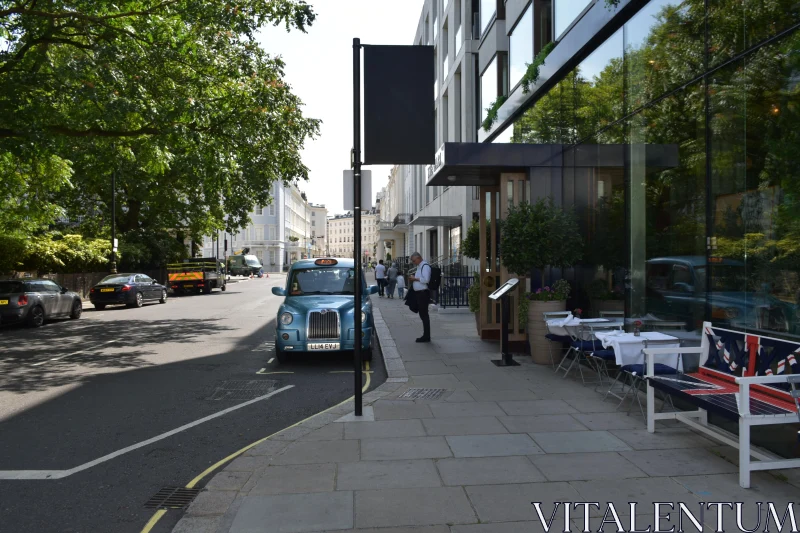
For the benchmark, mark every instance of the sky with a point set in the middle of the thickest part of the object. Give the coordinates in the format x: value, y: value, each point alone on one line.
x: 319, y: 68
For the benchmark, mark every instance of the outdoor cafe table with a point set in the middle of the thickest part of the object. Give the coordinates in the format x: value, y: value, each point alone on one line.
x: 628, y: 347
x: 558, y: 326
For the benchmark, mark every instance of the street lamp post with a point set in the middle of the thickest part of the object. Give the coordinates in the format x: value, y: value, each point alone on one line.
x: 114, y: 222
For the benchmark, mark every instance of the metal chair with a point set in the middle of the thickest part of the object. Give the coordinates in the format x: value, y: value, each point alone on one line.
x: 563, y: 339
x: 637, y: 373
x: 584, y: 342
x: 602, y: 359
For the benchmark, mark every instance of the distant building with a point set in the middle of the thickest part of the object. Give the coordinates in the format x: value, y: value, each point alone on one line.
x: 340, y: 235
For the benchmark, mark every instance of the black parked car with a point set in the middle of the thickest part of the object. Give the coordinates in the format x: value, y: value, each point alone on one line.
x: 132, y: 290
x: 35, y: 300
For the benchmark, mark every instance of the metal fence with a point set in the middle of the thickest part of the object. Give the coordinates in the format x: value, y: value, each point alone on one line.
x: 454, y: 290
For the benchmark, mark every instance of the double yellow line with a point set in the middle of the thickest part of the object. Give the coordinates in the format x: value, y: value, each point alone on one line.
x: 161, y: 512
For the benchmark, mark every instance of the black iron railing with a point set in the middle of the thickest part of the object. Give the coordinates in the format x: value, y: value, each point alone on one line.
x: 402, y: 219
x: 453, y: 291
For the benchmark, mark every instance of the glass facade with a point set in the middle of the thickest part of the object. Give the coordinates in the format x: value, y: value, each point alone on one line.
x: 488, y: 87
x: 520, y: 47
x: 700, y: 219
x: 488, y: 10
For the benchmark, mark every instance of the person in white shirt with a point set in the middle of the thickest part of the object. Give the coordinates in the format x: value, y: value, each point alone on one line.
x: 380, y: 277
x: 420, y: 280
x: 401, y: 285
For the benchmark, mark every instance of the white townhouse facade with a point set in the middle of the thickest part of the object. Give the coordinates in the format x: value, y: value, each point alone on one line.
x: 340, y: 235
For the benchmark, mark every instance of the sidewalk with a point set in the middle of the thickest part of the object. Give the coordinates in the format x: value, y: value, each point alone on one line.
x: 472, y: 453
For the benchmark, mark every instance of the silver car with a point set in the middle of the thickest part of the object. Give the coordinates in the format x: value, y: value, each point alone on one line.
x: 33, y: 301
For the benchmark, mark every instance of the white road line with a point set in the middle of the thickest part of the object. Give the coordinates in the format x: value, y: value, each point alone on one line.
x: 73, y: 353
x: 270, y: 361
x: 60, y: 474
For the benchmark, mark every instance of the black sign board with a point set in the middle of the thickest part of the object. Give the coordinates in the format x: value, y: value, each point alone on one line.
x: 399, y: 105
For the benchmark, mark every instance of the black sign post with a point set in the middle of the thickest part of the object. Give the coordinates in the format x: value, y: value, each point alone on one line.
x: 357, y: 219
x: 502, y: 294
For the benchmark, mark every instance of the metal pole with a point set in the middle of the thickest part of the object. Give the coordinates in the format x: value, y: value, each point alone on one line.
x: 357, y: 217
x: 114, y: 222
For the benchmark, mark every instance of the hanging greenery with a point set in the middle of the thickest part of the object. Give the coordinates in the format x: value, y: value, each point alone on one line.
x: 474, y: 293
x: 611, y: 4
x: 532, y: 74
x: 491, y: 112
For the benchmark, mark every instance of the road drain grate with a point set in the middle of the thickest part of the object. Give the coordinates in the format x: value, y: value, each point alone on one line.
x: 242, y: 389
x: 172, y: 498
x: 422, y: 394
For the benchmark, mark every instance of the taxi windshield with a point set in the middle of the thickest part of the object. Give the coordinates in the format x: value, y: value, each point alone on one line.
x: 328, y: 280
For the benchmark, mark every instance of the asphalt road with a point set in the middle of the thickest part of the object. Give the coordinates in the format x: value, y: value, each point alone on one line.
x: 72, y: 392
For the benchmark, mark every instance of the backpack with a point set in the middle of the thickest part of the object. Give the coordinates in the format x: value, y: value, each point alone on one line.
x: 436, y: 278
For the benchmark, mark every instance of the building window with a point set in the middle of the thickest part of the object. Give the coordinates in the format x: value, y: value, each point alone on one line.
x: 259, y: 210
x: 488, y: 10
x: 272, y: 210
x: 259, y: 233
x: 313, y: 213
x: 520, y: 47
x: 488, y: 87
x: 313, y: 222
x: 566, y: 13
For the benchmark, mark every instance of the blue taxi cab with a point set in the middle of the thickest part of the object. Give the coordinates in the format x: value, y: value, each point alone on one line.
x: 317, y: 313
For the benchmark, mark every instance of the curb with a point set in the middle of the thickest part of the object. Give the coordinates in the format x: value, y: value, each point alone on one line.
x: 395, y: 369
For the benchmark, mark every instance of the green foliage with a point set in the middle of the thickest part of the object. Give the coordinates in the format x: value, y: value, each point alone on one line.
x: 54, y: 252
x: 12, y: 252
x: 388, y: 256
x: 531, y: 75
x: 606, y: 247
x: 474, y: 294
x: 178, y: 98
x: 611, y: 4
x: 491, y: 112
x: 598, y: 290
x: 471, y: 245
x: 539, y: 235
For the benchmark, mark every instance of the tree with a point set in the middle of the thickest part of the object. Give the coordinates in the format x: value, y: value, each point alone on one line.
x: 175, y: 96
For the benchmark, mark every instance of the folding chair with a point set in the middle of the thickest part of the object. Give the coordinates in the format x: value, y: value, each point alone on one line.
x: 563, y: 339
x: 638, y: 372
x: 584, y: 342
x: 601, y: 359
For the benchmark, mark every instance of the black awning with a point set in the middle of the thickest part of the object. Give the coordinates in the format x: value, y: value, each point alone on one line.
x: 482, y: 163
x: 441, y: 221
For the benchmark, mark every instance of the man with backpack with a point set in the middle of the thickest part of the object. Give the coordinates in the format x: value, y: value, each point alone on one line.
x: 425, y: 280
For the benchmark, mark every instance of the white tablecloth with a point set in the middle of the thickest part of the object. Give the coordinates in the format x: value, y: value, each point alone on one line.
x: 558, y: 326
x: 628, y: 347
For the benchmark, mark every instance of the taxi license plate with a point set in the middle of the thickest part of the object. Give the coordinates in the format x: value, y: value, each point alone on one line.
x: 323, y: 346
x: 189, y: 286
x: 106, y: 290
x: 3, y: 302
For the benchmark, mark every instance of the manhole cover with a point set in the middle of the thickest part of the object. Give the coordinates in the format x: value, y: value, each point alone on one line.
x: 172, y: 498
x: 422, y: 394
x: 242, y: 389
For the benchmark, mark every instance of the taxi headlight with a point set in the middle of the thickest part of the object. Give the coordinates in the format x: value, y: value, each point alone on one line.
x: 286, y: 318
x: 363, y: 317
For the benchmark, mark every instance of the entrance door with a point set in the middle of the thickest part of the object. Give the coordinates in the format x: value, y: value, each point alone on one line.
x: 433, y: 245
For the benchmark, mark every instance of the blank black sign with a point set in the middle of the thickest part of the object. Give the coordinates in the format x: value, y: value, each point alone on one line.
x: 399, y: 111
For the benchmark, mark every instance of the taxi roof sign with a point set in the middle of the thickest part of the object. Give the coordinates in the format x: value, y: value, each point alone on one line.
x: 327, y: 262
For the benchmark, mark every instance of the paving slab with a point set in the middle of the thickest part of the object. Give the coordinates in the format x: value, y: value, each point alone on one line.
x: 424, y: 529
x: 269, y: 447
x: 311, y: 452
x: 387, y: 475
x: 725, y: 488
x: 413, y: 507
x: 488, y: 471
x: 333, y: 431
x: 383, y: 429
x: 228, y: 480
x: 211, y: 502
x: 586, y: 466
x: 663, y: 439
x: 478, y: 425
x: 537, y: 407
x: 295, y: 479
x: 469, y: 409
x: 688, y: 461
x: 492, y: 445
x: 593, y: 405
x: 417, y: 368
x: 541, y: 423
x: 295, y: 513
x: 404, y: 448
x: 643, y: 491
x: 509, y: 527
x: 459, y: 396
x: 601, y: 421
x: 513, y: 503
x: 579, y: 442
x: 400, y: 409
x: 197, y: 524
x: 502, y: 395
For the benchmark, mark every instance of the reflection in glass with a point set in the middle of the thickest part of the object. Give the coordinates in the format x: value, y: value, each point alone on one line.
x: 488, y: 9
x: 520, y: 47
x: 566, y: 13
x: 488, y: 87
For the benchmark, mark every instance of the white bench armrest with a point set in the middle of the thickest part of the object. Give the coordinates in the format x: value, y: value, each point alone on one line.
x: 676, y: 349
x: 755, y: 380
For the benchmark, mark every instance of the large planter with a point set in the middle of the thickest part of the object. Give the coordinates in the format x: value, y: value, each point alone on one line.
x: 478, y: 323
x: 540, y: 346
x: 607, y: 305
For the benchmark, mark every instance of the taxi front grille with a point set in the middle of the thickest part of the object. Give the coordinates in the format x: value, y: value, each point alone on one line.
x: 323, y: 325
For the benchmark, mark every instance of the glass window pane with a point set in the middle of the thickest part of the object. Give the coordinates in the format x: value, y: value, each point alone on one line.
x: 488, y: 87
x: 598, y: 88
x: 488, y: 8
x: 566, y: 13
x: 663, y: 48
x: 520, y: 47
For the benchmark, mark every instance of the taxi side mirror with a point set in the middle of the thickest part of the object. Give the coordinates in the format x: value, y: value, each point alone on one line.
x: 372, y: 289
x: 278, y: 291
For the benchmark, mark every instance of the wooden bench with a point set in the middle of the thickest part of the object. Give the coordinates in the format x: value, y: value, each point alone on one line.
x: 752, y: 379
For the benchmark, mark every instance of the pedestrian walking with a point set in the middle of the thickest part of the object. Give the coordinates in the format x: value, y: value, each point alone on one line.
x: 380, y: 277
x: 419, y: 284
x: 401, y: 285
x: 391, y: 280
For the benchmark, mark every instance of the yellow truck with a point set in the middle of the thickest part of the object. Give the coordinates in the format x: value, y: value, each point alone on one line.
x: 196, y: 275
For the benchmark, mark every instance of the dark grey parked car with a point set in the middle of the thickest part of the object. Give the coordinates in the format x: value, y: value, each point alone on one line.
x: 34, y: 301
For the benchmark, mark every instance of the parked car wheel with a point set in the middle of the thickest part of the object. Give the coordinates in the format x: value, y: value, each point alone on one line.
x: 77, y: 310
x: 139, y: 300
x: 99, y: 307
x: 207, y: 289
x: 224, y: 286
x: 163, y: 298
x: 36, y: 317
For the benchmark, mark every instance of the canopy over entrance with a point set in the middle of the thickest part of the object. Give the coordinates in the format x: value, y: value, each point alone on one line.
x: 472, y: 164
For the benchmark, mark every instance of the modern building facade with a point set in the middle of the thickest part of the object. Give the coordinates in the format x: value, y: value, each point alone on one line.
x: 668, y: 126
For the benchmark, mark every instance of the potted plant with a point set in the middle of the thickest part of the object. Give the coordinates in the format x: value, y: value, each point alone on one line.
x: 474, y: 299
x: 604, y: 299
x: 537, y: 236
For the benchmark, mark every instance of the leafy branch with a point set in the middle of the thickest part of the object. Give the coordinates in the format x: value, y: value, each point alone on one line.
x: 532, y: 73
x: 491, y: 112
x: 611, y: 4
